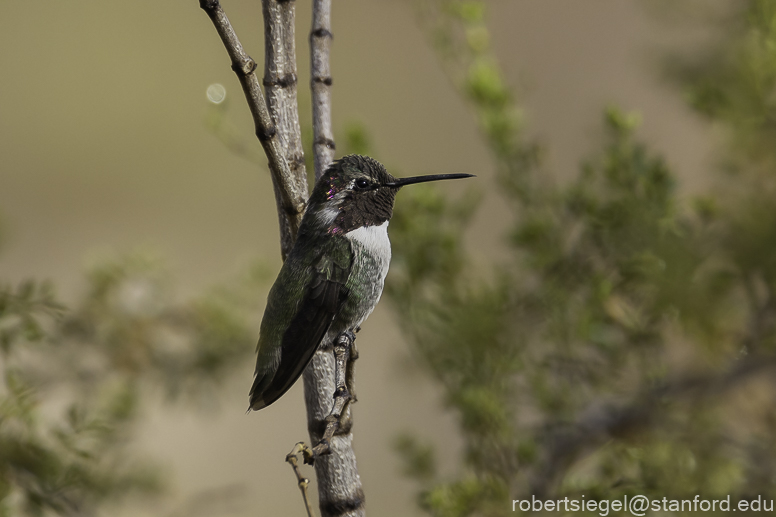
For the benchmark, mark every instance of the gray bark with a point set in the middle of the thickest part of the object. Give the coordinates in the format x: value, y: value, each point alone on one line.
x: 340, y: 492
x: 339, y: 486
x: 290, y: 194
x: 280, y: 90
x: 320, y: 84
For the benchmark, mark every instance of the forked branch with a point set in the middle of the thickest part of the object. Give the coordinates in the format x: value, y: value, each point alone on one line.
x: 280, y: 89
x: 291, y: 198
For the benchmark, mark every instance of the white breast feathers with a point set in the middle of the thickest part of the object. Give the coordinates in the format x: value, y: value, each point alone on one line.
x: 375, y: 241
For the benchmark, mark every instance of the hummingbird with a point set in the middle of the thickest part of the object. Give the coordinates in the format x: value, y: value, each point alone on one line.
x: 333, y: 277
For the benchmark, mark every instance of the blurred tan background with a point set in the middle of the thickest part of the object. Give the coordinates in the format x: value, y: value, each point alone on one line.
x: 104, y: 149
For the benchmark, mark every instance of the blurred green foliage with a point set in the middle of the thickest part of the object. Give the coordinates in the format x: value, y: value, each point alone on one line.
x: 628, y: 345
x: 73, y: 380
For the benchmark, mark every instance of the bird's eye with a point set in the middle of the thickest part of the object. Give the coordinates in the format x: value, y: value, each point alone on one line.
x: 362, y: 184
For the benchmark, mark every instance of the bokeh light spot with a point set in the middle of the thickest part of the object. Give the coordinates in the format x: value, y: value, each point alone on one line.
x: 216, y: 93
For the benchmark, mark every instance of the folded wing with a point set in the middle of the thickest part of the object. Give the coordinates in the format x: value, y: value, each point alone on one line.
x: 322, y: 300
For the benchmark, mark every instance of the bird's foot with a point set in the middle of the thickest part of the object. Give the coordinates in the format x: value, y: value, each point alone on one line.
x: 342, y: 395
x: 309, y: 455
x: 350, y: 373
x: 322, y: 449
x: 334, y: 423
x: 347, y: 338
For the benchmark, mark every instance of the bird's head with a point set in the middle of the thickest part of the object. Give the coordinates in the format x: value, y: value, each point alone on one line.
x: 357, y: 191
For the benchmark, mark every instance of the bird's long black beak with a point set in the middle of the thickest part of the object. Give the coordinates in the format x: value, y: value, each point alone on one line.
x: 400, y: 182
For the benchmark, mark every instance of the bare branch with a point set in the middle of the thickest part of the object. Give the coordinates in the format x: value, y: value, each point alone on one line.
x: 280, y: 88
x: 600, y: 423
x: 320, y: 84
x: 290, y: 195
x: 339, y: 485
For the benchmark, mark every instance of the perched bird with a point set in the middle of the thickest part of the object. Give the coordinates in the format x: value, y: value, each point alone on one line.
x: 333, y: 277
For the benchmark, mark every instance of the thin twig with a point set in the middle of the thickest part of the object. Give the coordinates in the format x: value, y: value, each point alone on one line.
x: 320, y: 84
x: 302, y: 481
x: 291, y: 198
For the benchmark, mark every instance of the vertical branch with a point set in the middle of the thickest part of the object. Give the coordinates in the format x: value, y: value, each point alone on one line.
x: 339, y: 485
x: 280, y: 89
x: 340, y: 493
x: 289, y: 194
x: 320, y: 84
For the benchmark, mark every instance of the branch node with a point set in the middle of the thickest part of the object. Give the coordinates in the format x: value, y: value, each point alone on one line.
x: 343, y: 506
x: 322, y: 80
x: 328, y: 143
x: 245, y: 67
x: 208, y: 5
x: 322, y: 33
x: 283, y: 81
x: 265, y: 134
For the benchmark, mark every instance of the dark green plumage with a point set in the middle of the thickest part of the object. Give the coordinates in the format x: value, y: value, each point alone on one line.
x: 312, y: 287
x: 333, y: 277
x: 304, y: 300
